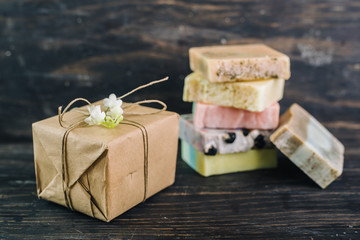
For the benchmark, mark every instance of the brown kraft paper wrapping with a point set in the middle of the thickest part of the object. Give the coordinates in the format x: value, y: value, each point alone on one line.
x: 106, y: 166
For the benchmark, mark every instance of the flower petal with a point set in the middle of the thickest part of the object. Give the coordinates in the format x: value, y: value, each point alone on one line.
x: 112, y: 97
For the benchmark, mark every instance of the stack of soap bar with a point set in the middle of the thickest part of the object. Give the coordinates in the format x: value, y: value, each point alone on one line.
x: 309, y: 145
x: 235, y: 90
x: 222, y: 141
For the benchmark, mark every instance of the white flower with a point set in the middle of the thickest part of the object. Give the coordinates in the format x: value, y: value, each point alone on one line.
x: 115, y: 112
x: 112, y: 102
x: 113, y: 107
x: 111, y: 116
x: 96, y: 117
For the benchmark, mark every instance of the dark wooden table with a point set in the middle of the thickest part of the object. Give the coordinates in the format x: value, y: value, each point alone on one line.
x: 52, y: 51
x: 269, y: 204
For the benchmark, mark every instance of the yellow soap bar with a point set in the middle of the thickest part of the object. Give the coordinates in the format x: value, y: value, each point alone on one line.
x: 207, y: 165
x: 253, y: 96
x: 239, y: 63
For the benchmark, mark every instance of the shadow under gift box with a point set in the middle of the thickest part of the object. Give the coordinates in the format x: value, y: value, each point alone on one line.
x: 106, y: 166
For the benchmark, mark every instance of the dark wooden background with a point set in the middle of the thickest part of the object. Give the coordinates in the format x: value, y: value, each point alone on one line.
x: 52, y: 51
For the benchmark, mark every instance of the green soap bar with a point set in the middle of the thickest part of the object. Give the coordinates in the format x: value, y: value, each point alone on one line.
x: 207, y: 165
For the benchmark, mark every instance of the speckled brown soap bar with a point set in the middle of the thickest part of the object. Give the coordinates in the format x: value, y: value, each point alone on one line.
x: 239, y: 63
x: 309, y: 145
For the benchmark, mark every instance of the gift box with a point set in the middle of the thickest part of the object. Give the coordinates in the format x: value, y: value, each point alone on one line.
x: 104, y: 172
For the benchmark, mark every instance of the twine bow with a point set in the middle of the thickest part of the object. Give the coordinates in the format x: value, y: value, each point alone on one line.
x: 81, y: 123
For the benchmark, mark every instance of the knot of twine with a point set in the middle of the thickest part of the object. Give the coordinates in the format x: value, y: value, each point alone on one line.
x: 81, y: 123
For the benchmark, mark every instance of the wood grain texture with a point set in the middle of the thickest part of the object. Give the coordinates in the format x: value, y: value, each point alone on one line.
x: 268, y: 204
x: 54, y: 51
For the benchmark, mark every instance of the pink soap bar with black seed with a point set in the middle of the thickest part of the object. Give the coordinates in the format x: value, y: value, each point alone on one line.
x: 214, y: 116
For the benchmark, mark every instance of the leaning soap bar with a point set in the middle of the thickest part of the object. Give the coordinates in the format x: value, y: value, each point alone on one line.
x: 215, y: 116
x: 239, y: 63
x: 227, y: 163
x: 252, y: 96
x: 309, y: 145
x: 213, y: 141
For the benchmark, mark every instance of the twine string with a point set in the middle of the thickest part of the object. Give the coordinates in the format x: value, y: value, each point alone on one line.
x: 62, y: 113
x: 64, y: 163
x: 146, y: 151
x: 144, y: 86
x: 142, y: 102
